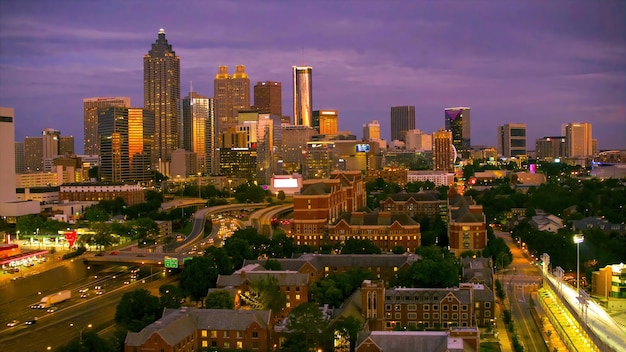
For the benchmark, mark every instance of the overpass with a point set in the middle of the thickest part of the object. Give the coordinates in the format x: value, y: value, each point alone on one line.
x: 261, y: 220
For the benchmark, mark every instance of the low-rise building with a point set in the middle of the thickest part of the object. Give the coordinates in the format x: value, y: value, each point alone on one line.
x: 416, y: 205
x: 188, y: 329
x: 467, y: 227
x: 546, y: 222
x: 132, y: 194
x: 452, y: 340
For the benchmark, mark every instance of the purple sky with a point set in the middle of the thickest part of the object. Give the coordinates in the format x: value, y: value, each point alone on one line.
x: 542, y: 63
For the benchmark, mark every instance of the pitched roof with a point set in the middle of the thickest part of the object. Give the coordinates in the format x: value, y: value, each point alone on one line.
x: 464, y: 214
x: 426, y: 295
x: 400, y: 341
x: 320, y: 261
x: 177, y: 324
x: 284, y: 278
x: 421, y: 196
x: 376, y: 218
x: 316, y: 189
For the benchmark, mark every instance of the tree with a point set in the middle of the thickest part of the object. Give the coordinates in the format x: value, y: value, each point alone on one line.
x: 219, y: 299
x: 221, y: 258
x: 436, y: 268
x: 198, y: 275
x: 281, y: 195
x: 357, y: 246
x: 90, y: 341
x: 95, y: 213
x: 272, y: 264
x: 348, y: 330
x: 171, y: 296
x: 265, y: 294
x: 308, y: 329
x: 28, y: 224
x: 137, y: 309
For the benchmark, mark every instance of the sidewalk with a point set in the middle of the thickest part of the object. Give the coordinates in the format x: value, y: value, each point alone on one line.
x: 503, y: 334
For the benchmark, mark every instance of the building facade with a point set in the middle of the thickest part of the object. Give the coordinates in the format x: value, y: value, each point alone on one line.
x: 161, y: 95
x: 512, y: 140
x: 90, y: 112
x: 126, y: 144
x: 371, y: 131
x: 402, y: 120
x: 578, y: 139
x: 80, y: 192
x: 231, y: 94
x: 326, y: 121
x: 268, y: 98
x: 199, y: 130
x: 457, y: 121
x: 302, y: 95
x: 550, y: 148
x: 444, y: 153
x: 467, y: 227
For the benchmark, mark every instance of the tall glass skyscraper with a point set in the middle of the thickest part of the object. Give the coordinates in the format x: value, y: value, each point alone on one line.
x: 90, y: 107
x: 126, y: 137
x: 302, y: 95
x: 161, y: 94
x: 402, y: 120
x: 199, y: 130
x: 457, y: 121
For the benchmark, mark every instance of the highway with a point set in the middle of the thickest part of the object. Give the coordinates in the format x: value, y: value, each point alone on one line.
x: 519, y: 281
x: 53, y: 329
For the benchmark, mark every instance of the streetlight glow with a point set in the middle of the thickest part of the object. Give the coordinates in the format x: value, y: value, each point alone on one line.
x: 578, y: 239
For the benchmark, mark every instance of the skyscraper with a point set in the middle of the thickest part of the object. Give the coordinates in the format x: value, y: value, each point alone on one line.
x: 371, y: 131
x: 268, y: 98
x: 443, y: 151
x: 302, y: 95
x: 550, y: 148
x: 325, y: 121
x: 402, y: 120
x: 7, y: 155
x: 199, y: 130
x: 457, y: 121
x: 126, y: 138
x: 232, y: 94
x: 90, y: 107
x: 512, y: 140
x: 161, y: 95
x: 578, y: 141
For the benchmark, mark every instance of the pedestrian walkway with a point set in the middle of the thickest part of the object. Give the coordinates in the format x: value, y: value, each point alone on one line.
x: 503, y: 335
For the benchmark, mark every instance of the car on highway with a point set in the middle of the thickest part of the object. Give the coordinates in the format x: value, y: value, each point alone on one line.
x: 30, y: 322
x: 126, y: 282
x: 141, y: 255
x: 114, y: 253
x: 98, y: 287
x: 52, y: 309
x: 99, y: 292
x: 35, y: 306
x: 83, y: 290
x: 12, y: 323
x: 99, y: 254
x: 84, y: 295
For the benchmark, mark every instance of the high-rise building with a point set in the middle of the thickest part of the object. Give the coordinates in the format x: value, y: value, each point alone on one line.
x: 90, y: 109
x: 457, y: 121
x: 199, y: 130
x: 51, y: 138
x: 512, y: 140
x: 325, y: 121
x: 550, y: 148
x: 33, y: 154
x: 268, y: 98
x: 7, y: 155
x: 232, y: 94
x: 578, y: 140
x: 66, y: 145
x: 161, y: 95
x: 371, y: 131
x: 293, y: 146
x: 402, y: 120
x: 418, y: 141
x: 20, y: 166
x: 443, y: 151
x: 302, y: 95
x: 126, y: 138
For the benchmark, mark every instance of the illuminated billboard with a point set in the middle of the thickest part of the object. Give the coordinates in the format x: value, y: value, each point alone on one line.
x: 362, y: 148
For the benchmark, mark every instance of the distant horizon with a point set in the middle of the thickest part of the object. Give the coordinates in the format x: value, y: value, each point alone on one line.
x: 542, y: 65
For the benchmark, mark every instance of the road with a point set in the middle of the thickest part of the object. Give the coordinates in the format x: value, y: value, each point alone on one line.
x: 53, y: 329
x: 519, y: 281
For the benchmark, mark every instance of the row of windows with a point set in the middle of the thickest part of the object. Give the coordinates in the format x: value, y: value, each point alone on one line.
x: 426, y: 324
x: 425, y: 316
x: 226, y: 333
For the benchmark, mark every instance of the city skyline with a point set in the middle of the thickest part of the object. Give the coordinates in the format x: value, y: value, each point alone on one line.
x: 542, y: 65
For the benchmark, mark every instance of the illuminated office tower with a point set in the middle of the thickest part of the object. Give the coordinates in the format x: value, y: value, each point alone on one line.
x: 457, y: 121
x: 302, y: 95
x: 161, y: 95
x: 550, y: 148
x: 326, y: 121
x: 512, y: 140
x: 199, y: 130
x: 371, y: 131
x: 578, y: 141
x: 402, y: 120
x: 268, y: 98
x: 33, y: 154
x: 444, y: 153
x: 126, y: 138
x: 66, y: 145
x: 232, y: 94
x: 90, y: 111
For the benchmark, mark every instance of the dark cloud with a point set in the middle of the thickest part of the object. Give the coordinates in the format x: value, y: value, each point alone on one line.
x: 539, y: 63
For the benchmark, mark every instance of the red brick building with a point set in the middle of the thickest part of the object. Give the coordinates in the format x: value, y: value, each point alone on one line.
x: 189, y: 329
x: 322, y: 201
x: 397, y: 175
x: 416, y: 205
x: 426, y: 308
x: 386, y: 229
x: 467, y: 227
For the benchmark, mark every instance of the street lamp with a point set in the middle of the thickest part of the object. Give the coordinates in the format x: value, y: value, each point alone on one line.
x: 80, y: 331
x: 578, y: 239
x: 199, y: 192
